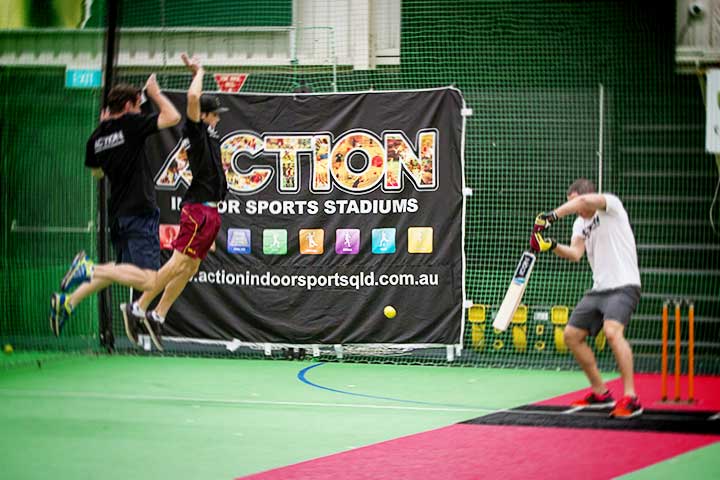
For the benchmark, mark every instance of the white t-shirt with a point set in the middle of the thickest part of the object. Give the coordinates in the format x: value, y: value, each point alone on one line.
x: 610, y: 246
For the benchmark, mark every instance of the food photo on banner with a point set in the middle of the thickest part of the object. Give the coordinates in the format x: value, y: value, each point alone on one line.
x: 338, y: 206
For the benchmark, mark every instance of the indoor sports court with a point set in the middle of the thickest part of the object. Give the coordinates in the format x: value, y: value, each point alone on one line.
x: 457, y: 239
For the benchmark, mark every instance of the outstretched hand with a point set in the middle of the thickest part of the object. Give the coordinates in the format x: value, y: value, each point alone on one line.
x: 193, y: 64
x: 151, y: 86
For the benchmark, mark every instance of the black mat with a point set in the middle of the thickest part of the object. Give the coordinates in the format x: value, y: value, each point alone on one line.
x: 695, y: 422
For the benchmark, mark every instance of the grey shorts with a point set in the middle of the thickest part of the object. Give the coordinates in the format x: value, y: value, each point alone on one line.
x: 595, y: 307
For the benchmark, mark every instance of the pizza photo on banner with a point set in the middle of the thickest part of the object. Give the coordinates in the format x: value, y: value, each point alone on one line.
x: 338, y: 206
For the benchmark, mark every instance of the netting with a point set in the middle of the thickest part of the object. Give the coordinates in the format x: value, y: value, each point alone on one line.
x: 48, y: 206
x: 559, y: 90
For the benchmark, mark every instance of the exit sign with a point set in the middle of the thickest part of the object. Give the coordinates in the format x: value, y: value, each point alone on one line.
x: 77, y: 78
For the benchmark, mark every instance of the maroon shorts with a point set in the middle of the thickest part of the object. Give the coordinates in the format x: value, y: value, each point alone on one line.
x: 199, y: 225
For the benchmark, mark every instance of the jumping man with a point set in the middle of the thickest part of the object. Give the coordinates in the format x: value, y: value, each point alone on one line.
x: 117, y: 149
x: 199, y: 217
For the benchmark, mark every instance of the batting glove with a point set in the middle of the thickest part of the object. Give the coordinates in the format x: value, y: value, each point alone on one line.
x: 541, y: 244
x: 544, y: 220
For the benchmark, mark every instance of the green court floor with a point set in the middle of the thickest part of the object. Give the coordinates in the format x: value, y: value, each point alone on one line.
x: 123, y: 417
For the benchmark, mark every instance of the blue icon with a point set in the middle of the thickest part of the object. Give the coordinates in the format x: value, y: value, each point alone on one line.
x: 383, y: 240
x: 238, y: 240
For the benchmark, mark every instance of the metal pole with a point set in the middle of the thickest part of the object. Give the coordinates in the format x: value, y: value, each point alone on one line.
x: 107, y: 338
x: 664, y: 366
x: 677, y: 351
x: 600, y: 135
x: 691, y: 353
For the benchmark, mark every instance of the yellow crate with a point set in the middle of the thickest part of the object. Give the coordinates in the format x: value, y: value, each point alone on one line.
x: 477, y: 315
x: 559, y: 315
x: 519, y: 329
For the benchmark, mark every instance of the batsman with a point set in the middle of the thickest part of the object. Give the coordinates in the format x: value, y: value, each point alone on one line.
x: 602, y: 230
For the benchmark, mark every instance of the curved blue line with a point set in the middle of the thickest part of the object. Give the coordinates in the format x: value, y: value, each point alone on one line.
x: 301, y: 376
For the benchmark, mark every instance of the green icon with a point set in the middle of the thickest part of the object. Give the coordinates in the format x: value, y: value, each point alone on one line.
x: 275, y: 242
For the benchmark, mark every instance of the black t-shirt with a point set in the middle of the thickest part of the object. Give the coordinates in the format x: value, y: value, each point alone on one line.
x: 208, y: 177
x: 118, y: 147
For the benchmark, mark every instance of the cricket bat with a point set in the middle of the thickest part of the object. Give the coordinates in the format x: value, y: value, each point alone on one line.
x: 515, y: 292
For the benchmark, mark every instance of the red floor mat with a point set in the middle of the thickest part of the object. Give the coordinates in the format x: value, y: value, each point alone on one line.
x: 465, y: 452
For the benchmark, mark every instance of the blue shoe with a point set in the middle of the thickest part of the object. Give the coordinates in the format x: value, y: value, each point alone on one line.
x: 60, y: 311
x: 81, y: 270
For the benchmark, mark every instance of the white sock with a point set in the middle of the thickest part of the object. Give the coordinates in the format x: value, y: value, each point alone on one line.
x: 156, y: 317
x: 137, y: 311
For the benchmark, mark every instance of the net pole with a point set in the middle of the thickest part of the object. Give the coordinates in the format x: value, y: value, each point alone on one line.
x: 677, y: 351
x: 601, y: 113
x: 664, y: 367
x: 107, y: 338
x: 691, y: 352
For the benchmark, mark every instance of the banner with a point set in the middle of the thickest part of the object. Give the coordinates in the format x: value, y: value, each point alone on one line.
x: 339, y: 205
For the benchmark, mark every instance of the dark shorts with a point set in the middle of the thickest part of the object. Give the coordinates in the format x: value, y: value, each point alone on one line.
x: 136, y: 240
x: 595, y: 307
x: 199, y: 225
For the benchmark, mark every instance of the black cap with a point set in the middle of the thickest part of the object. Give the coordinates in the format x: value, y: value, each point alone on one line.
x: 210, y: 104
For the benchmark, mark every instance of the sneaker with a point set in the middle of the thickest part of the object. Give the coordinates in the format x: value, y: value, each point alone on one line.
x: 627, y: 407
x: 60, y: 311
x: 132, y: 323
x: 154, y: 329
x: 593, y: 400
x: 81, y: 270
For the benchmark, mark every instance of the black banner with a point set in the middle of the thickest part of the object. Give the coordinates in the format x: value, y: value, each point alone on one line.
x: 340, y: 205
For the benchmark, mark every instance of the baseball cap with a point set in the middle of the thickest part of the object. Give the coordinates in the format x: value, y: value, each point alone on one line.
x: 210, y: 104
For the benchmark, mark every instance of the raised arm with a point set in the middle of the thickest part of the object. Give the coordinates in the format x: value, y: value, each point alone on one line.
x: 589, y: 201
x: 169, y: 116
x: 195, y: 90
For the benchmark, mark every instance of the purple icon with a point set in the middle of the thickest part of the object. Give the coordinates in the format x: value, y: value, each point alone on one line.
x: 347, y: 241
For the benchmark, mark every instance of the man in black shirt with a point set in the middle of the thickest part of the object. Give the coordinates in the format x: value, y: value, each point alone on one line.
x: 199, y: 218
x: 116, y: 149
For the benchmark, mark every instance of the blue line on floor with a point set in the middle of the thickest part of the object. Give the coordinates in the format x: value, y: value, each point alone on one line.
x: 303, y: 378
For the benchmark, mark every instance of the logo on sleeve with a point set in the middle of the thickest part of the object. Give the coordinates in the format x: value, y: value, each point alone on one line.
x: 107, y: 142
x: 212, y: 133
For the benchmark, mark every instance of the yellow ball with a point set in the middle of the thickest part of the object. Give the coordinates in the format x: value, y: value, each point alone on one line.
x: 389, y: 311
x: 8, y: 348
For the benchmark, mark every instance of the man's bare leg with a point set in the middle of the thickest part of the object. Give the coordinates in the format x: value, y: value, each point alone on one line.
x: 107, y: 273
x: 614, y: 332
x: 125, y: 274
x: 171, y: 269
x: 87, y: 289
x: 575, y: 340
x: 175, y: 287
